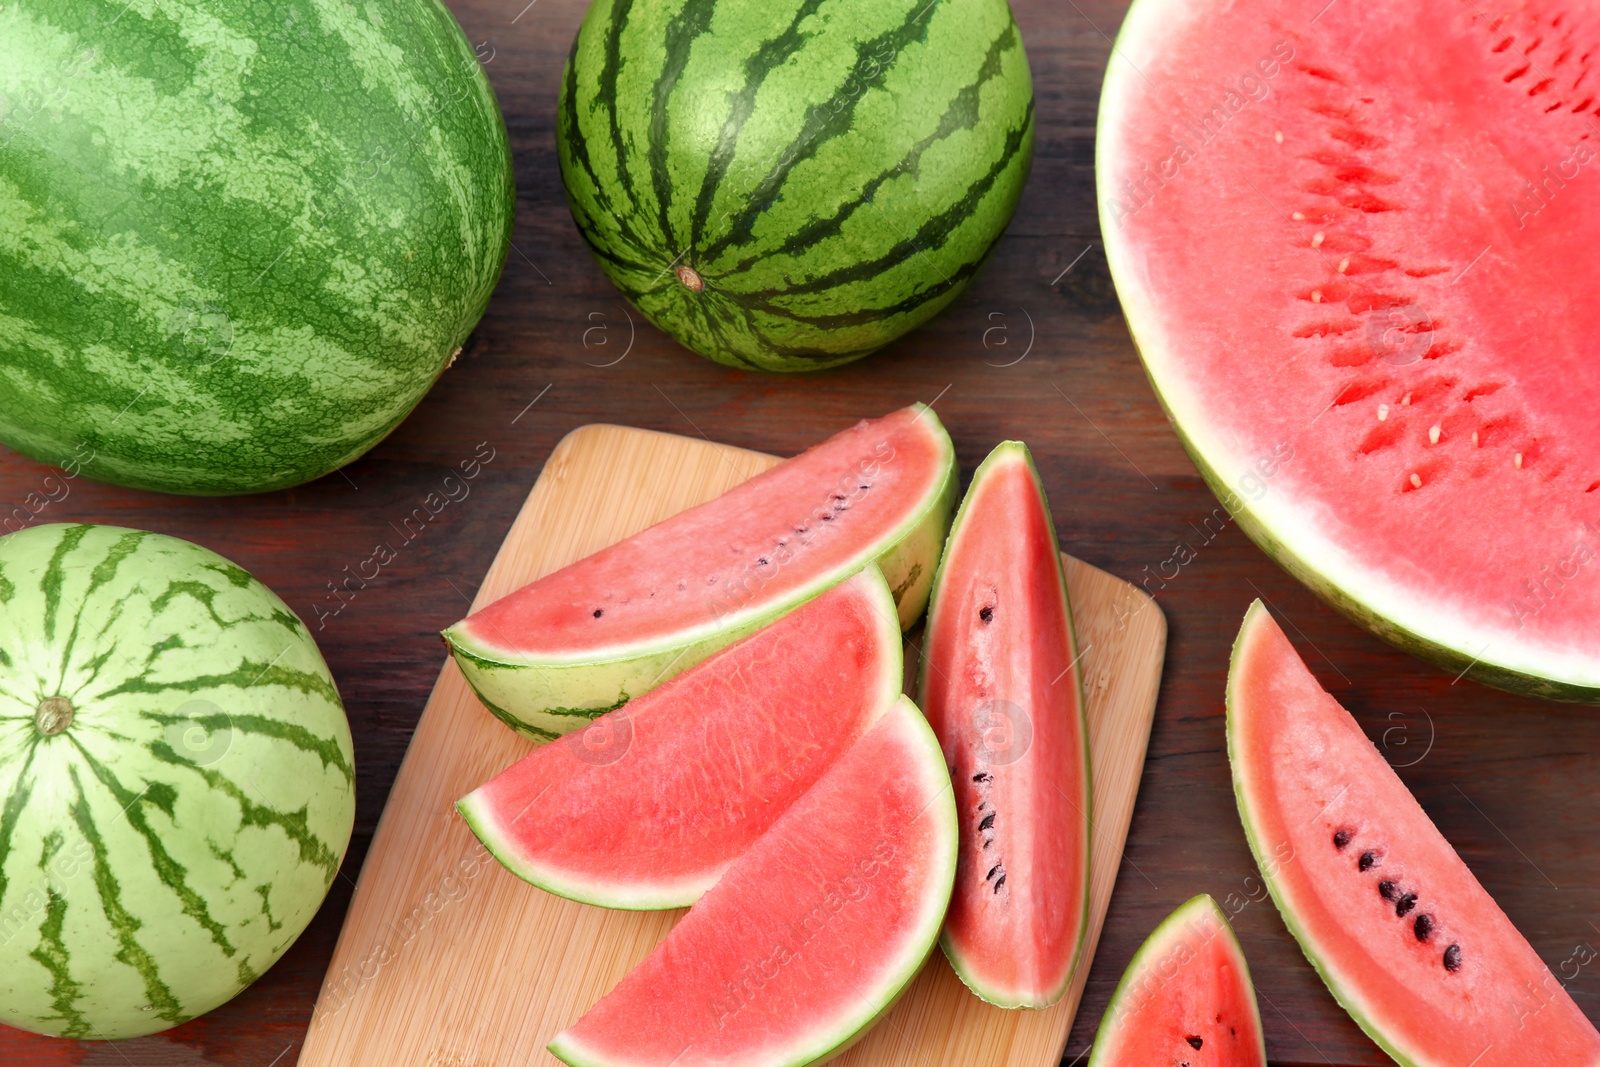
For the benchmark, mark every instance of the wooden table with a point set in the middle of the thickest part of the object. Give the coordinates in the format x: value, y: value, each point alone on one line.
x: 1036, y: 350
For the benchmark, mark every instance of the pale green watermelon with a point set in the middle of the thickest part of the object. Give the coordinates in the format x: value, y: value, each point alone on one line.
x: 238, y: 241
x: 176, y: 774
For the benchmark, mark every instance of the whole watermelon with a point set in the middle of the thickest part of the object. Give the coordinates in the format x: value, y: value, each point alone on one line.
x: 238, y: 240
x: 176, y: 780
x: 792, y: 184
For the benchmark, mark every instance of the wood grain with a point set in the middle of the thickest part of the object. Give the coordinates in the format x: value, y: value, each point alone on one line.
x: 446, y: 959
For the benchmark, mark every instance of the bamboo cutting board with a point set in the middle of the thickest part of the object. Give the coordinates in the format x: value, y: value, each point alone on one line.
x: 447, y: 960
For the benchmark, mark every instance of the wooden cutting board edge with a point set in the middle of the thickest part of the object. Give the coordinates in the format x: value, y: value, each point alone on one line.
x: 599, y: 480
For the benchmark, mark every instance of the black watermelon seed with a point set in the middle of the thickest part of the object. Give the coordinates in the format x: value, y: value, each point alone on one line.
x: 1387, y: 890
x: 988, y: 821
x: 993, y: 871
x: 1367, y: 861
x: 1452, y: 958
x: 1341, y: 838
x: 1195, y: 1041
x: 982, y: 776
x: 998, y: 882
x: 1405, y: 903
x: 598, y: 612
x: 762, y: 562
x: 1423, y: 927
x: 986, y: 614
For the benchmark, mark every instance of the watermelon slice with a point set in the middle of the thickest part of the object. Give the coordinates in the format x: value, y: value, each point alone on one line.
x: 1000, y: 686
x: 810, y: 935
x: 1402, y: 933
x: 580, y: 641
x: 1355, y: 249
x: 648, y: 806
x: 1186, y: 998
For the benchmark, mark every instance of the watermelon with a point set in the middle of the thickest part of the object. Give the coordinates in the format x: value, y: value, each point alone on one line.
x: 810, y: 935
x: 177, y: 778
x: 647, y: 807
x: 238, y: 241
x: 1397, y: 926
x: 1355, y: 257
x: 1000, y: 685
x: 790, y: 186
x: 1186, y: 998
x: 580, y: 641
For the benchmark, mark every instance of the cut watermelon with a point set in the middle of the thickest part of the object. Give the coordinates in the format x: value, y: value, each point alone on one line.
x: 1000, y: 686
x: 581, y: 641
x: 648, y: 806
x: 1402, y: 933
x: 1357, y: 259
x: 1186, y: 998
x: 810, y: 935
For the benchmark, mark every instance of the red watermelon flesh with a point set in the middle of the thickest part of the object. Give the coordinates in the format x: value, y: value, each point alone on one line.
x: 1186, y: 998
x: 1000, y: 685
x: 647, y: 807
x: 1356, y: 253
x: 1400, y: 930
x: 810, y: 935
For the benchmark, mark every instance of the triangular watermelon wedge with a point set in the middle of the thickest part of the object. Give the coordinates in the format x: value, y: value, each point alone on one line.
x: 811, y: 934
x: 1186, y: 999
x: 1000, y: 686
x: 647, y: 806
x: 1406, y: 939
x: 583, y: 640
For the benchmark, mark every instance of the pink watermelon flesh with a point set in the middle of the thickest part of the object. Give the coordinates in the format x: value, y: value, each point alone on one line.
x: 811, y: 933
x: 1357, y: 256
x: 757, y: 545
x: 1000, y: 686
x: 1186, y: 998
x: 647, y: 807
x: 1398, y: 927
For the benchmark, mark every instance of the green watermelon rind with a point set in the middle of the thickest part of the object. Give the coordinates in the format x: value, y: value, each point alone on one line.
x: 1156, y: 948
x: 944, y: 875
x: 1478, y: 663
x: 1009, y: 450
x: 1267, y: 865
x: 641, y: 896
x: 557, y: 696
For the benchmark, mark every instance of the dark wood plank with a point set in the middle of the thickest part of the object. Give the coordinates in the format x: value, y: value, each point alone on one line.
x: 1513, y: 783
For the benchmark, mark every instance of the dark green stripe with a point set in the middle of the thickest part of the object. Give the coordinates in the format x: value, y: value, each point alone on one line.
x: 961, y: 114
x: 104, y: 572
x: 577, y: 146
x: 173, y: 874
x: 16, y: 802
x: 772, y: 54
x: 685, y: 27
x: 123, y: 924
x: 325, y: 749
x: 243, y: 676
x: 55, y: 575
x: 823, y: 123
x: 620, y: 10
x: 51, y: 951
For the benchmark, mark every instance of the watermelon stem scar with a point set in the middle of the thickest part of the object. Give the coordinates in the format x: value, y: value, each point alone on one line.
x: 691, y: 279
x: 53, y: 716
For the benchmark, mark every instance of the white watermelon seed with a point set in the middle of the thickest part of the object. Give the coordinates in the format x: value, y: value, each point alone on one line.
x: 1299, y: 216
x: 1277, y: 135
x: 1383, y: 412
x: 1343, y: 263
x: 1316, y: 296
x: 1317, y: 239
x: 1433, y: 434
x: 1416, y: 480
x: 1518, y: 461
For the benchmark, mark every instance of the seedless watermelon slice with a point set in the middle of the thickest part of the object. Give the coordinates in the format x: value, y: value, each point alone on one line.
x: 581, y: 641
x: 1000, y: 686
x: 810, y: 935
x: 1186, y: 998
x: 1355, y: 248
x: 1400, y: 930
x: 647, y: 807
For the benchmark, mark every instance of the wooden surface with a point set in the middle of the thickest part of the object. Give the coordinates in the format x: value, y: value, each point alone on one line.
x: 446, y: 958
x: 1513, y: 783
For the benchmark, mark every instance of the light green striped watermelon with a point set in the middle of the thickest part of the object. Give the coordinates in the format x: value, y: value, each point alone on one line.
x: 792, y: 184
x: 238, y: 241
x: 176, y: 774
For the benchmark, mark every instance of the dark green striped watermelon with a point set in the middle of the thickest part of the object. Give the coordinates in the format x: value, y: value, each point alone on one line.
x: 238, y: 241
x: 176, y: 780
x: 792, y: 184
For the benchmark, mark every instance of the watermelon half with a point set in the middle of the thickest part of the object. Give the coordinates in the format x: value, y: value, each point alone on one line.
x: 1001, y: 687
x: 1186, y: 998
x: 1397, y: 926
x: 646, y: 807
x: 792, y: 184
x: 811, y: 934
x: 1355, y: 250
x: 239, y: 241
x: 580, y: 641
